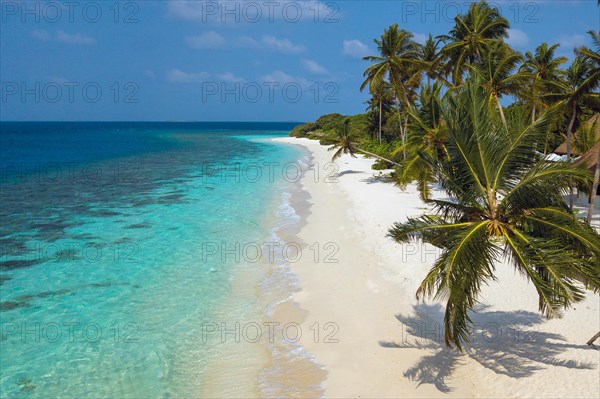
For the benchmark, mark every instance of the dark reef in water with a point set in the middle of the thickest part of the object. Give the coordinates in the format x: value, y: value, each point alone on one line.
x: 143, y: 225
x: 17, y: 264
x: 24, y: 301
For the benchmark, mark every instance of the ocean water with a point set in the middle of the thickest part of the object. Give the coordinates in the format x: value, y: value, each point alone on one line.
x: 125, y: 246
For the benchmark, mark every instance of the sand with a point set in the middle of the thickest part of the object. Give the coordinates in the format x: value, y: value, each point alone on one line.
x: 363, y: 325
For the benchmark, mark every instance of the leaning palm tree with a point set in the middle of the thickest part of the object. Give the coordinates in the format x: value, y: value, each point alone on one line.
x: 397, y: 62
x: 505, y: 201
x: 472, y: 33
x: 495, y: 70
x: 344, y: 142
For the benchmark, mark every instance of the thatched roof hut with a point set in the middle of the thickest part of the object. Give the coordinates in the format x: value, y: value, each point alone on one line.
x: 562, y: 149
x: 590, y: 158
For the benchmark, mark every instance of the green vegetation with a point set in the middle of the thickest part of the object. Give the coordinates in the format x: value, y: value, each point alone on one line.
x: 327, y: 124
x: 435, y: 116
x: 505, y: 201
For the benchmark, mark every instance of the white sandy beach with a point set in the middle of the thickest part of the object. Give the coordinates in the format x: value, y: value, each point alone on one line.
x: 390, y: 345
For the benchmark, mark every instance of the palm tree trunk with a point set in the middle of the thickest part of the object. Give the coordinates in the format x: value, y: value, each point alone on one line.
x: 378, y: 156
x: 405, y: 131
x: 569, y: 132
x: 594, y: 191
x: 501, y: 112
x: 595, y: 337
x: 379, y: 134
x: 533, y: 99
x: 401, y: 131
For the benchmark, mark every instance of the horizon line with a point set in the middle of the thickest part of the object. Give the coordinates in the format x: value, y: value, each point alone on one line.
x: 157, y: 121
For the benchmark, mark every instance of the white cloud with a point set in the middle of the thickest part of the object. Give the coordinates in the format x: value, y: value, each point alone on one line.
x: 179, y: 76
x: 149, y: 73
x: 62, y: 36
x: 212, y: 40
x: 314, y: 67
x: 76, y: 38
x: 271, y: 43
x: 186, y: 10
x: 517, y: 38
x: 571, y: 41
x: 41, y: 35
x: 248, y: 42
x: 282, y: 45
x: 231, y: 78
x: 355, y: 48
x: 420, y: 37
x: 283, y: 78
x: 206, y: 40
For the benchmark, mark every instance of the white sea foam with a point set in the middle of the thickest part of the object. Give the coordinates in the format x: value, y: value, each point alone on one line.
x: 288, y: 358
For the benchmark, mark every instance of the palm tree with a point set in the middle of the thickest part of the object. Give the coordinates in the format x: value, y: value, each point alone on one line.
x: 544, y: 69
x: 397, y: 61
x: 505, y: 200
x: 593, y: 194
x: 584, y: 140
x: 427, y: 139
x: 593, y: 57
x: 432, y: 61
x: 472, y: 33
x: 498, y: 61
x: 585, y: 137
x: 573, y: 92
x: 381, y: 98
x: 344, y: 142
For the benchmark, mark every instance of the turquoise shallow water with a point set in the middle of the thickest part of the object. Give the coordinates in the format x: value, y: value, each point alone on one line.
x: 106, y: 275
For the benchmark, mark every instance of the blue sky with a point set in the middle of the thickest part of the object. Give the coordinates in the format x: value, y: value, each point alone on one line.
x: 225, y: 60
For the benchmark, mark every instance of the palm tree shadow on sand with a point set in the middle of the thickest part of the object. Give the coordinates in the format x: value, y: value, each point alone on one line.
x: 508, y: 343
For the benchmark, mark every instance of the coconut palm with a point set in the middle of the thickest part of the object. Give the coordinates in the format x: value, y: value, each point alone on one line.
x: 472, y: 33
x: 397, y: 62
x: 573, y: 92
x: 432, y: 61
x: 344, y: 142
x: 427, y: 139
x: 381, y: 98
x: 592, y: 55
x: 585, y: 137
x: 505, y: 200
x: 544, y: 69
x: 593, y: 195
x: 495, y: 70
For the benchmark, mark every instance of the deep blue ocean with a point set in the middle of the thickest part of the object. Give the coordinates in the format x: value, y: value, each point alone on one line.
x: 105, y: 273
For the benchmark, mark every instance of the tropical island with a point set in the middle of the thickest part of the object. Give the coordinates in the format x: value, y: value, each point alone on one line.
x: 495, y: 156
x: 436, y: 234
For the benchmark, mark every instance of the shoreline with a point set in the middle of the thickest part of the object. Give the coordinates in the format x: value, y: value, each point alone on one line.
x: 390, y: 345
x: 267, y: 366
